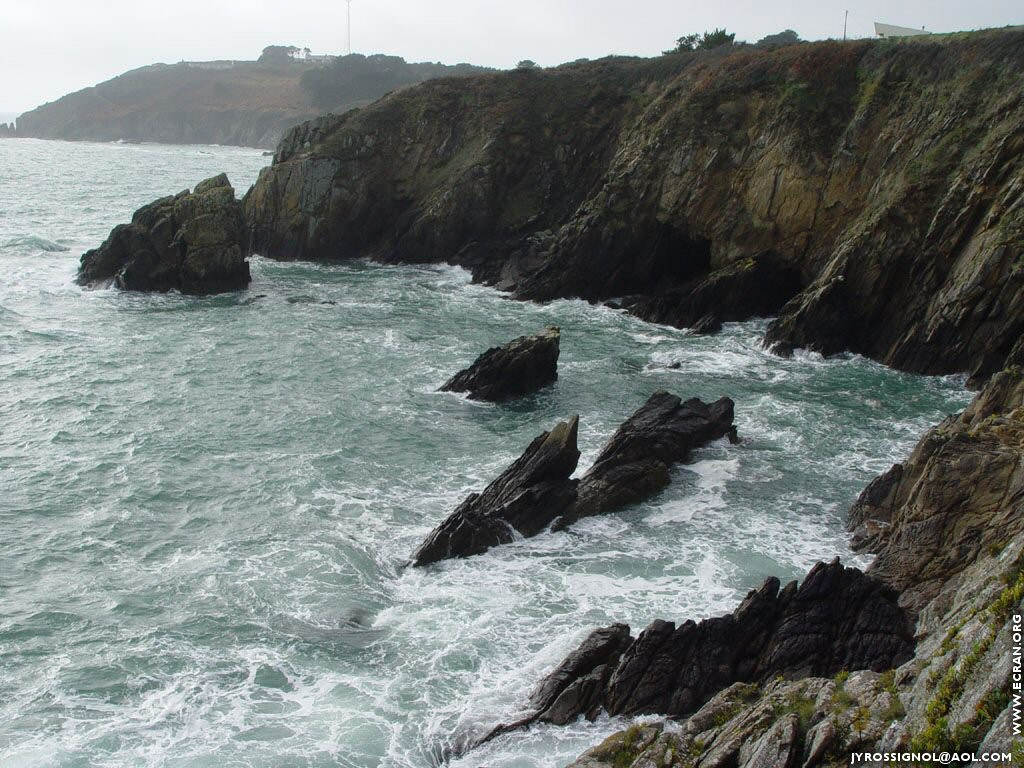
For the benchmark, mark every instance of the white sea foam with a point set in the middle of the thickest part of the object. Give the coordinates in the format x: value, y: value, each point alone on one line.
x: 210, y: 503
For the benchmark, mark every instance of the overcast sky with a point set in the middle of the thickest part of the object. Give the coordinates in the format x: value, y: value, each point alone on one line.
x: 52, y: 47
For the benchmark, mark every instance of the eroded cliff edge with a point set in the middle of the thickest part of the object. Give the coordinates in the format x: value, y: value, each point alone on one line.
x: 871, y: 193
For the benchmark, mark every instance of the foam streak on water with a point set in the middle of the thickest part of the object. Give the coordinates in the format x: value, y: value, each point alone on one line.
x: 206, y: 504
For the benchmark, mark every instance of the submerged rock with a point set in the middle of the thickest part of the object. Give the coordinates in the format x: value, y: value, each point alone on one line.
x: 635, y: 463
x: 191, y: 242
x: 837, y: 619
x: 517, y: 368
x: 522, y: 501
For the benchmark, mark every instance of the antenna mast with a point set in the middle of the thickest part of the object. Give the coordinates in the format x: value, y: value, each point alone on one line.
x: 349, y: 3
x: 845, y: 19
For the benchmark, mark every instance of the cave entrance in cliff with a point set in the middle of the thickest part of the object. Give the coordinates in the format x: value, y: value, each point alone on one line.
x: 674, y: 258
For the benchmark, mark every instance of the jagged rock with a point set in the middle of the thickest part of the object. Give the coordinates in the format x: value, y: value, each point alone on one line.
x: 536, y: 491
x: 577, y: 684
x: 522, y: 501
x: 191, y: 242
x: 778, y: 748
x: 837, y: 619
x: 635, y: 463
x: 517, y: 368
x: 966, y: 590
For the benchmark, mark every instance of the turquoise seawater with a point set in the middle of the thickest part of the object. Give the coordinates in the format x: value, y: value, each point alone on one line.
x: 206, y: 504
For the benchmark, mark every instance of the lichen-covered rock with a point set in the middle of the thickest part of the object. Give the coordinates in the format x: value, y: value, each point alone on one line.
x: 517, y: 368
x: 191, y: 242
x: 522, y: 501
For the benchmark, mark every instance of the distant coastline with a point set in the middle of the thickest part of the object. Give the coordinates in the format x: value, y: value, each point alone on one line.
x: 237, y: 103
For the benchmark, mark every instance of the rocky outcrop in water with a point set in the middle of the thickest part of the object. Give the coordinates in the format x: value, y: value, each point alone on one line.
x: 837, y: 619
x: 537, y: 491
x: 522, y: 501
x: 634, y: 465
x: 517, y: 368
x: 191, y: 242
x: 946, y: 526
x: 867, y: 191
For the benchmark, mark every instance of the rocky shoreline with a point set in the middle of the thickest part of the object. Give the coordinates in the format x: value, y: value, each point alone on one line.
x: 953, y: 693
x: 870, y: 194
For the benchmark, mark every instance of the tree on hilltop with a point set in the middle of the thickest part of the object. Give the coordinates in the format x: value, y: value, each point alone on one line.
x: 704, y: 42
x: 277, y: 54
x: 785, y: 37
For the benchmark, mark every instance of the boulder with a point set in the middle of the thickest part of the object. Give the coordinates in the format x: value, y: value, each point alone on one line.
x: 837, y: 619
x: 634, y: 465
x: 706, y: 326
x: 517, y: 368
x: 190, y: 242
x: 522, y: 501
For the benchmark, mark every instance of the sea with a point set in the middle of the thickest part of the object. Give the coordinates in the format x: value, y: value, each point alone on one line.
x: 208, y: 505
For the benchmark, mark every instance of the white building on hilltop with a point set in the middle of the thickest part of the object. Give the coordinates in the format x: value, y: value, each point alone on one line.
x: 891, y: 30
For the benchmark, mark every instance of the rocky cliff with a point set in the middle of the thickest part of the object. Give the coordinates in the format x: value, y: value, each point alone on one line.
x: 869, y: 192
x: 244, y: 103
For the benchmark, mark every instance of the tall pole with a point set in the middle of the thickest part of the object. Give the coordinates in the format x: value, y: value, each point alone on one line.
x: 845, y: 19
x: 349, y: 3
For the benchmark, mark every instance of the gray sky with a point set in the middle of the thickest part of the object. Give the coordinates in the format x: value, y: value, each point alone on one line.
x: 52, y: 47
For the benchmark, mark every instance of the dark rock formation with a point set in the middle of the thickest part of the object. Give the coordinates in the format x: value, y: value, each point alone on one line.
x: 837, y: 619
x: 634, y: 465
x: 522, y: 501
x: 8, y: 130
x: 868, y: 192
x: 756, y: 287
x: 517, y: 368
x: 577, y: 684
x: 537, y: 491
x: 706, y: 326
x: 190, y: 242
x: 959, y: 493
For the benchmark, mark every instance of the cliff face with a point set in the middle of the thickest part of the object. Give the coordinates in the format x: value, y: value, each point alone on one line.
x: 871, y: 191
x: 244, y: 103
